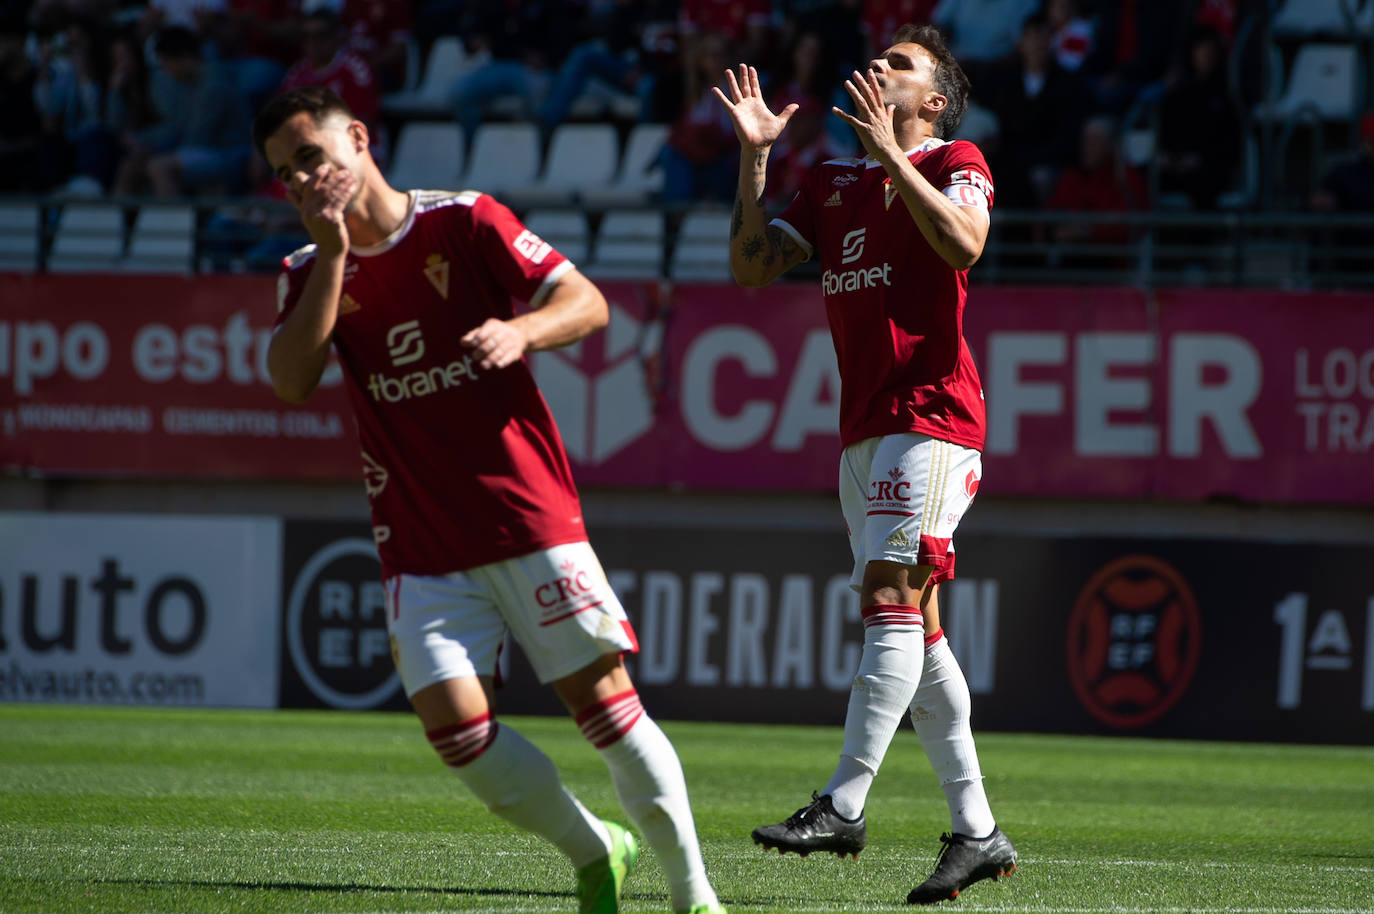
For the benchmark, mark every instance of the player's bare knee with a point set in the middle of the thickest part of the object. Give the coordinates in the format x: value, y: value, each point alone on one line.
x: 892, y: 582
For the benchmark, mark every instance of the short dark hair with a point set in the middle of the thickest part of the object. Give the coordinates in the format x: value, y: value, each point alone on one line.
x: 318, y: 101
x: 950, y: 80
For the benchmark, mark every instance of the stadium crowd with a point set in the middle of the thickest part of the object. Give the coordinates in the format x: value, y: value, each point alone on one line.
x: 154, y: 99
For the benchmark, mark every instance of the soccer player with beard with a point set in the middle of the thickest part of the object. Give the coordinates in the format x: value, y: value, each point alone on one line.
x: 474, y: 511
x: 895, y: 232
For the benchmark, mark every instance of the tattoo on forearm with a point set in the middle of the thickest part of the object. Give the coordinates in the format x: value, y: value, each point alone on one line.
x: 780, y: 245
x: 760, y: 175
x: 737, y: 220
x: 751, y: 248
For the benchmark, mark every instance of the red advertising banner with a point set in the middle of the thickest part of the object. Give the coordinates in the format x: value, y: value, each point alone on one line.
x: 156, y: 376
x: 1091, y: 392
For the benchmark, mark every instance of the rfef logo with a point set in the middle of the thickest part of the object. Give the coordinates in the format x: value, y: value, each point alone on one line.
x: 1134, y: 639
x: 336, y: 627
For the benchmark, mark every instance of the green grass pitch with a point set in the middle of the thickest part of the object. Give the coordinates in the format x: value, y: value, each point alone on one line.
x: 114, y: 809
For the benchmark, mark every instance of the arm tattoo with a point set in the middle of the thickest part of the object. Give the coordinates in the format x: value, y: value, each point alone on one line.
x: 751, y: 247
x: 780, y: 245
x: 737, y: 220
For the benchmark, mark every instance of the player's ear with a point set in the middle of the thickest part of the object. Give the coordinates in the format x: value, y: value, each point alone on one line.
x: 936, y: 102
x: 357, y: 134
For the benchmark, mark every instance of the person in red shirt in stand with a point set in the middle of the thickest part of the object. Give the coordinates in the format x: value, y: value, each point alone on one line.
x: 328, y: 61
x: 896, y: 233
x: 1099, y: 182
x: 379, y: 30
x: 476, y: 518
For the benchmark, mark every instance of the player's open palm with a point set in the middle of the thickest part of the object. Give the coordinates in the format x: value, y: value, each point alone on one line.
x: 755, y: 125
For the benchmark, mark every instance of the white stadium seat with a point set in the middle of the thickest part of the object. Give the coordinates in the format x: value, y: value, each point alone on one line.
x: 580, y: 158
x: 19, y: 236
x: 89, y: 238
x: 163, y: 240
x: 503, y: 157
x: 639, y: 177
x: 1322, y: 79
x: 433, y: 97
x: 429, y: 156
x: 566, y: 230
x: 702, y: 251
x: 629, y: 245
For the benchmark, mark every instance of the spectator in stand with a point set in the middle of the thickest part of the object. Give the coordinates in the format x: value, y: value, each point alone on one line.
x: 882, y: 18
x: 1138, y: 38
x: 327, y: 61
x: 847, y: 45
x: 200, y: 144
x: 69, y: 92
x: 842, y: 24
x: 128, y: 102
x: 982, y: 33
x: 609, y: 49
x: 1098, y: 183
x: 1072, y: 33
x: 1220, y: 16
x: 380, y: 30
x: 1349, y: 186
x: 1039, y: 108
x: 262, y: 39
x: 700, y: 156
x: 746, y: 24
x: 1199, y: 136
x: 201, y: 17
x: 20, y: 140
x: 525, y: 42
x: 806, y: 143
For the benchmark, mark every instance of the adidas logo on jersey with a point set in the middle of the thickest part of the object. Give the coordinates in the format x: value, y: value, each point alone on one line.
x: 900, y: 540
x: 834, y: 199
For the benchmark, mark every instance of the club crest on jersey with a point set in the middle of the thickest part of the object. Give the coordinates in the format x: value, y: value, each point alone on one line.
x: 889, y: 193
x: 436, y: 271
x: 375, y: 475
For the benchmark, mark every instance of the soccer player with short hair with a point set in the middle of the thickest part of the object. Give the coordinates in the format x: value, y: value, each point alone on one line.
x: 895, y: 233
x: 475, y: 515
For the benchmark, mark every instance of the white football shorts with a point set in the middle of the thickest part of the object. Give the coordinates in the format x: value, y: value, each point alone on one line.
x: 902, y: 496
x: 556, y: 603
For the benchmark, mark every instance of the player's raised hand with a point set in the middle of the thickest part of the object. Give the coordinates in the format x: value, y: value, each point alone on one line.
x: 322, y: 201
x: 755, y: 125
x: 872, y: 119
x: 495, y: 343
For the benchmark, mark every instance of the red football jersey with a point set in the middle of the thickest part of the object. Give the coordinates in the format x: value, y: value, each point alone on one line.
x: 895, y: 307
x: 463, y: 466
